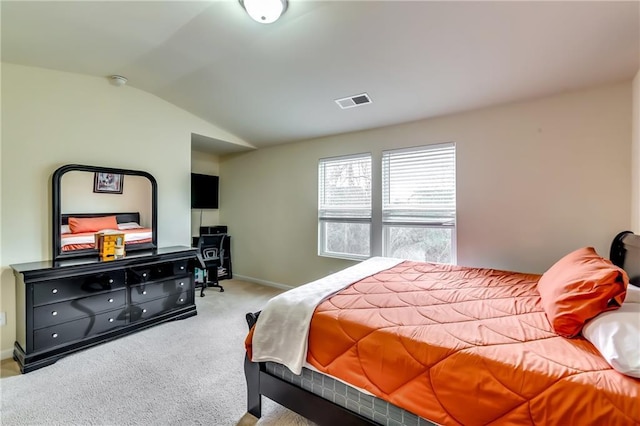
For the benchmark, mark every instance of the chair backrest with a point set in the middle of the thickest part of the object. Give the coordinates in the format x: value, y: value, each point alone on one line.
x: 210, y: 246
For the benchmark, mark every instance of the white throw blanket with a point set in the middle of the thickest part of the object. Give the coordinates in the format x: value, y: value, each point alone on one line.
x: 281, y: 332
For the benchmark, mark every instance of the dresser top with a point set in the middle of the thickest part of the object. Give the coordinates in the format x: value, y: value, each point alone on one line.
x: 136, y: 257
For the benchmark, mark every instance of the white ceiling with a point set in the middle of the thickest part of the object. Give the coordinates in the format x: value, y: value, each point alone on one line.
x: 271, y: 84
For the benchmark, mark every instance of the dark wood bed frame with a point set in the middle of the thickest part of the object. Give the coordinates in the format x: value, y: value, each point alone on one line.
x: 625, y: 253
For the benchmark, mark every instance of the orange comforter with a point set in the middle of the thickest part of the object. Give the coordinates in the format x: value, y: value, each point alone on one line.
x: 466, y: 346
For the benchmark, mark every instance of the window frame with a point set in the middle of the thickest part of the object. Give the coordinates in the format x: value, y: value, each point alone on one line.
x: 452, y: 226
x: 419, y: 221
x: 323, y: 220
x: 378, y: 226
x: 340, y: 255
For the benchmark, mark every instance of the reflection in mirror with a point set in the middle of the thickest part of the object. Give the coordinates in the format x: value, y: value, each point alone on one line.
x: 88, y: 200
x: 77, y: 196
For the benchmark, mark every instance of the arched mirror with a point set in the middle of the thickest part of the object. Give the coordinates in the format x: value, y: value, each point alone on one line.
x: 89, y: 199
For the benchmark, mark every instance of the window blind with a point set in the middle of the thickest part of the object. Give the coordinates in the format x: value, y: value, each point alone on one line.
x: 419, y: 185
x: 345, y: 188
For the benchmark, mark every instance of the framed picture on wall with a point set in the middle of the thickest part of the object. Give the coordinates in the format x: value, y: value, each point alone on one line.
x: 108, y: 183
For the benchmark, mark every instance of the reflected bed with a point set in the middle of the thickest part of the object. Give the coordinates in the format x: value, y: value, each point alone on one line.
x: 127, y: 224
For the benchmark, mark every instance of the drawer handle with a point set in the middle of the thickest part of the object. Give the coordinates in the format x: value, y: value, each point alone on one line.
x: 144, y: 311
x: 54, y: 291
x: 111, y: 281
x: 54, y: 313
x: 144, y: 275
x: 110, y: 319
x: 181, y: 283
x: 54, y: 335
x: 182, y: 300
x: 182, y: 268
x: 144, y: 292
x: 110, y: 300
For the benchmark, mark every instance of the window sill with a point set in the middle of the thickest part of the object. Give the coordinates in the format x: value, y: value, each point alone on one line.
x: 344, y: 256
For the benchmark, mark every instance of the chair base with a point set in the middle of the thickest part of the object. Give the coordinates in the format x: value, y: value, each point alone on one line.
x: 210, y: 284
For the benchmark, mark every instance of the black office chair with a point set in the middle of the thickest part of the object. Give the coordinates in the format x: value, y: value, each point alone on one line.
x: 212, y: 253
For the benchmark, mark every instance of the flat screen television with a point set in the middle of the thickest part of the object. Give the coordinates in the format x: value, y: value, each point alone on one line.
x: 204, y: 191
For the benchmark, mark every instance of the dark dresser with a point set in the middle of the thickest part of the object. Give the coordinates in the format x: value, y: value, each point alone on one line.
x: 69, y: 305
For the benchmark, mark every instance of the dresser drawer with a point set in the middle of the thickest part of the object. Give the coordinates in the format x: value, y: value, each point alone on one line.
x: 159, y: 306
x: 79, y: 286
x: 160, y: 271
x: 78, y: 329
x: 180, y: 267
x: 57, y: 313
x: 145, y: 292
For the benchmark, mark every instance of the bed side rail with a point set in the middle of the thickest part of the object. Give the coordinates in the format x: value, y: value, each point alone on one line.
x: 252, y: 318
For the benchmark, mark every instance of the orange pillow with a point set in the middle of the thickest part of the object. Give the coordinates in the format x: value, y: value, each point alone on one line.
x: 92, y: 224
x: 578, y: 287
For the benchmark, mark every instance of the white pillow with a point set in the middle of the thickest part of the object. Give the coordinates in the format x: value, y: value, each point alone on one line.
x: 64, y: 229
x: 633, y: 294
x: 128, y: 225
x: 616, y: 334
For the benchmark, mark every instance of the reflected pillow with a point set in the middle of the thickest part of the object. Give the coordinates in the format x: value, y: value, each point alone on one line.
x: 64, y: 229
x: 129, y: 225
x: 92, y: 224
x: 616, y: 335
x: 578, y: 287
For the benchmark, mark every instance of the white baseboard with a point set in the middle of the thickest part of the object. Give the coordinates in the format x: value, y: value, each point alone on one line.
x: 6, y: 354
x: 263, y: 282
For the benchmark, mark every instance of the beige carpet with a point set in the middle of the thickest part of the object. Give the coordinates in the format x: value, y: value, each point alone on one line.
x: 274, y: 415
x: 181, y: 372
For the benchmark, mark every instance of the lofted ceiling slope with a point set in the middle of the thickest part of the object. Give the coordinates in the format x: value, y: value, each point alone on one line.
x: 272, y: 84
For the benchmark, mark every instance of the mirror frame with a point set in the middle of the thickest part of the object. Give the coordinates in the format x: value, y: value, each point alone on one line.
x: 57, y: 210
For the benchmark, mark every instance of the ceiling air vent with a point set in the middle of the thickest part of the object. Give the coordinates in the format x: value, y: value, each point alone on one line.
x: 354, y: 101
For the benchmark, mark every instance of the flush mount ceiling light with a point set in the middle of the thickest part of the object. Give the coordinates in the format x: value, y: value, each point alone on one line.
x: 264, y: 11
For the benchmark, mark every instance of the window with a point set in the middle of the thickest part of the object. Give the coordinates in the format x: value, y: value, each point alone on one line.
x: 414, y: 213
x: 419, y: 203
x: 344, y: 206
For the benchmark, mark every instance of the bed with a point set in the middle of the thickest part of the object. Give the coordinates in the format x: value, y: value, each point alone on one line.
x: 418, y: 343
x: 127, y: 224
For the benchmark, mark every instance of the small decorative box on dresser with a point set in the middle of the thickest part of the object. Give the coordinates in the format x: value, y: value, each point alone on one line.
x: 68, y: 305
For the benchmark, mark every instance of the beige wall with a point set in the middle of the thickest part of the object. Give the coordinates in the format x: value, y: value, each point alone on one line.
x: 206, y: 164
x: 535, y: 180
x: 4, y: 330
x: 635, y: 158
x: 52, y: 118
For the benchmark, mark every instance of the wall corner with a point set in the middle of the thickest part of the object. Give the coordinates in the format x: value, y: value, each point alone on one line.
x: 635, y: 156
